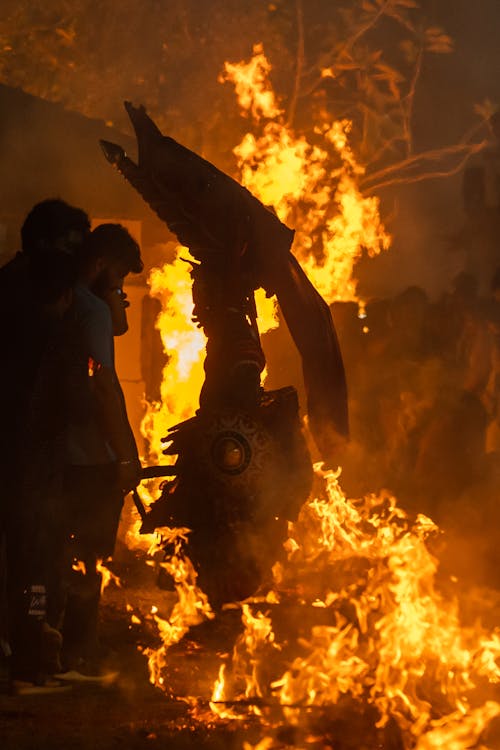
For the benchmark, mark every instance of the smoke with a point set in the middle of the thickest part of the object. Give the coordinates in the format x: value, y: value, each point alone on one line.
x: 47, y: 151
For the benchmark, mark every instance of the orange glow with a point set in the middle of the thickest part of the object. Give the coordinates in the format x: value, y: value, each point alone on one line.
x: 191, y: 608
x: 403, y: 650
x: 313, y: 188
x: 184, y: 344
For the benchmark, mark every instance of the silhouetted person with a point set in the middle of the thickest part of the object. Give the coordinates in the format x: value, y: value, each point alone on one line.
x: 35, y: 292
x: 44, y: 398
x: 102, y: 460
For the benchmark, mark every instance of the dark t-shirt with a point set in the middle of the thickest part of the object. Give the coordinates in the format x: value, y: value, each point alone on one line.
x: 87, y: 444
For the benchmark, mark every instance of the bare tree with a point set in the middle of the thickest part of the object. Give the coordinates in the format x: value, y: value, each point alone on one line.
x: 355, y: 59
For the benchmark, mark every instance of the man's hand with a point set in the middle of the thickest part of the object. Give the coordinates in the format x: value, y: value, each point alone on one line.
x: 129, y: 475
x: 116, y: 427
x: 116, y: 300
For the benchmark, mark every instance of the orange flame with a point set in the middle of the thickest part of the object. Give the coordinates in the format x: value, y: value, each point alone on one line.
x: 314, y: 187
x: 107, y: 575
x: 184, y: 344
x: 191, y: 608
x: 404, y: 651
x: 253, y: 89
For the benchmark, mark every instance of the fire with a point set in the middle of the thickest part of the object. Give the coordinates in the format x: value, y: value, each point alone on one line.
x: 107, y: 575
x: 191, y: 608
x: 79, y: 567
x: 458, y: 732
x: 389, y: 638
x: 312, y: 187
x: 297, y: 178
x: 393, y: 640
x: 184, y: 344
x: 248, y: 661
x: 253, y: 90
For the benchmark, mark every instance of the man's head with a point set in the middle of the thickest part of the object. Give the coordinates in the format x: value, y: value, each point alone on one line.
x: 52, y: 277
x: 110, y: 254
x: 54, y: 226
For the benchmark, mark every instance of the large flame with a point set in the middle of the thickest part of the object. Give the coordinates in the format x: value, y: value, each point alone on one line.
x: 393, y: 641
x: 184, y: 344
x: 309, y: 185
x: 313, y: 186
x: 389, y: 639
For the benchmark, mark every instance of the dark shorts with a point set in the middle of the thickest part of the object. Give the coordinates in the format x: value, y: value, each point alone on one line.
x: 93, y: 505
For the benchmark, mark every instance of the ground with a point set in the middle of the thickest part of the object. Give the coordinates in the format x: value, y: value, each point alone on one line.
x: 130, y: 713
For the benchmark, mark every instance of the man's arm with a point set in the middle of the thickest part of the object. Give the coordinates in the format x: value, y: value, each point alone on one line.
x: 113, y: 414
x: 97, y: 330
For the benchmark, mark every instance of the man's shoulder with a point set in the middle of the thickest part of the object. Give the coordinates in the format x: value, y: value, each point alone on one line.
x: 86, y: 303
x: 92, y: 320
x: 14, y: 271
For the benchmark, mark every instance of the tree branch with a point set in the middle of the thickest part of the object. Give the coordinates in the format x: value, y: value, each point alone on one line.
x: 408, y: 102
x: 394, y: 175
x: 328, y: 58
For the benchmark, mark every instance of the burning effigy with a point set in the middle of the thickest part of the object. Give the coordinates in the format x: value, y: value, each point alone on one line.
x: 243, y: 469
x: 350, y: 642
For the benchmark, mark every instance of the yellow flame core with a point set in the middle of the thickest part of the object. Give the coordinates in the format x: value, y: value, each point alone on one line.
x: 253, y: 89
x: 184, y: 344
x: 313, y: 186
